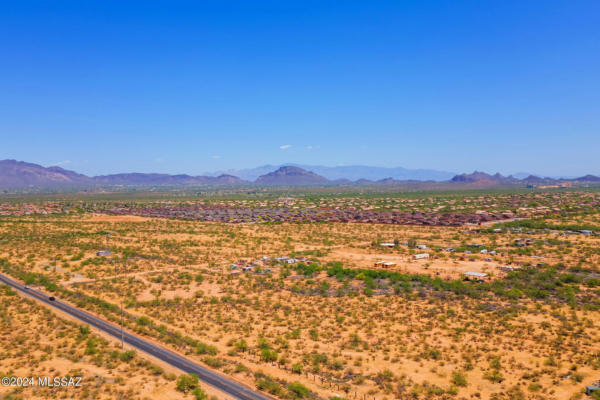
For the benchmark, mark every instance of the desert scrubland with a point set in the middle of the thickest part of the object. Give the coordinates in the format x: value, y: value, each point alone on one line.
x: 306, y: 309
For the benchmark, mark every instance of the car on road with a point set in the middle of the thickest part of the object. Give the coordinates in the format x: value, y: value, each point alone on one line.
x: 26, y: 286
x: 51, y: 298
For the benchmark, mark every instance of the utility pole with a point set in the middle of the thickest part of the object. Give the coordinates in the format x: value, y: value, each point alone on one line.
x: 122, y: 341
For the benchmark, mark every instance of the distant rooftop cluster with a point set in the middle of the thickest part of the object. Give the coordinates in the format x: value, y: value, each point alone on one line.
x: 254, y: 215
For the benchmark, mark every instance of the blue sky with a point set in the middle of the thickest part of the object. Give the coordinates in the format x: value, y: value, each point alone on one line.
x: 188, y: 87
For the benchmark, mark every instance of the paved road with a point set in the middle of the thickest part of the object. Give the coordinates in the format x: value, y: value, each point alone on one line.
x: 218, y: 381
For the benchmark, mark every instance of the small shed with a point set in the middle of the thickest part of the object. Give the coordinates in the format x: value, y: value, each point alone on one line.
x: 103, y: 253
x: 421, y: 256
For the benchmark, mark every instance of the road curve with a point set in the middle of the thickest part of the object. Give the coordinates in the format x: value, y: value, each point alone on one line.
x: 218, y: 381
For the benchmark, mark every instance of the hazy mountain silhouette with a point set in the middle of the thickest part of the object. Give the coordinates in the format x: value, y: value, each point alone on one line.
x: 18, y: 174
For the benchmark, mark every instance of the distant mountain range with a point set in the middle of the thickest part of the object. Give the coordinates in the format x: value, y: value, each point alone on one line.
x: 165, y: 179
x: 19, y: 174
x: 290, y: 175
x: 349, y: 172
x: 22, y: 174
x: 478, y: 176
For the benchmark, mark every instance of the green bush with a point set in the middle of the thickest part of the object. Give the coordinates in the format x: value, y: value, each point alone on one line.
x: 241, y: 345
x: 269, y: 385
x: 459, y: 379
x: 592, y: 282
x: 297, y: 368
x: 298, y: 389
x: 84, y: 330
x: 204, y: 348
x: 268, y: 355
x: 187, y: 382
x: 127, y: 356
x: 199, y: 394
x: 494, y: 376
x: 90, y: 346
x: 213, y: 362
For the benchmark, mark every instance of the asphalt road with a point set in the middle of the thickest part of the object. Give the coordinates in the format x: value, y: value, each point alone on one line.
x: 218, y: 381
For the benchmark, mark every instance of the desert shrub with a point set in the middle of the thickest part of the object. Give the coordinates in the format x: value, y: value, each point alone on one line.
x: 592, y: 282
x: 127, y: 355
x: 534, y: 387
x: 269, y: 385
x: 295, y: 334
x: 241, y: 368
x: 268, y: 355
x: 213, y: 362
x: 298, y: 389
x: 84, y: 330
x: 241, y: 345
x: 494, y: 375
x: 199, y: 393
x: 204, y: 348
x: 307, y: 270
x: 453, y: 390
x: 91, y: 346
x: 187, y: 382
x: 459, y: 379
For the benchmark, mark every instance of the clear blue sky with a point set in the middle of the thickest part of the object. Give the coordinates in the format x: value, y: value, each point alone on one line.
x: 187, y: 87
